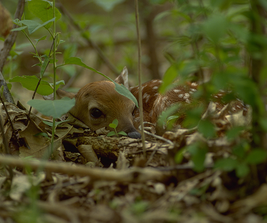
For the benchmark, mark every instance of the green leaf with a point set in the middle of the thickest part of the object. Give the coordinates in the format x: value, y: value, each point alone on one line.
x: 226, y: 164
x: 234, y: 132
x: 78, y: 61
x: 112, y: 133
x: 167, y: 115
x: 206, y: 128
x: 19, y: 28
x: 108, y: 5
x: 121, y: 89
x: 198, y: 154
x: 256, y: 156
x: 44, y: 10
x: 122, y: 133
x: 112, y: 125
x: 40, y: 39
x: 33, y: 25
x: 168, y: 78
x: 240, y: 150
x: 179, y: 155
x: 55, y: 108
x: 242, y: 170
x: 30, y: 83
x: 215, y: 27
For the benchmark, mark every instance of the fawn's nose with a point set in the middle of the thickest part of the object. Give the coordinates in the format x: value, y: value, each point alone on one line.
x: 134, y: 135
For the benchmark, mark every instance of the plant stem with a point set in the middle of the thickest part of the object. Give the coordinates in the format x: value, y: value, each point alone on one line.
x: 54, y: 72
x: 139, y: 77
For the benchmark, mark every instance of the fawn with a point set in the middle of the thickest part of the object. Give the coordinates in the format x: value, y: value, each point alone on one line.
x: 98, y: 103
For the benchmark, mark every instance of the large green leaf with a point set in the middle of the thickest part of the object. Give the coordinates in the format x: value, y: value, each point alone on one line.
x: 43, y: 10
x: 30, y: 82
x: 121, y: 89
x: 34, y: 25
x: 215, y: 27
x: 78, y: 61
x: 256, y: 156
x: 55, y: 108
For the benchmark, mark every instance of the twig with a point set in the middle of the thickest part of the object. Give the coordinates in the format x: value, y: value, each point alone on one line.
x: 9, y: 42
x: 139, y: 77
x: 6, y: 93
x: 40, y: 79
x: 8, y: 117
x: 136, y: 175
x: 7, y: 151
x: 88, y: 40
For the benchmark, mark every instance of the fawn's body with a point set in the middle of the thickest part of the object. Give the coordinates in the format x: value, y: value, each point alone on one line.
x: 98, y: 103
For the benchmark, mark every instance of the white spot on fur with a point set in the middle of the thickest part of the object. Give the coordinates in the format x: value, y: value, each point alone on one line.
x: 187, y: 101
x: 155, y: 87
x: 176, y: 90
x: 186, y: 96
x: 238, y: 106
x: 194, y: 84
x: 146, y: 96
x: 181, y: 95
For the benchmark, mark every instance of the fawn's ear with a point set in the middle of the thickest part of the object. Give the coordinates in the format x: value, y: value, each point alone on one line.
x: 123, y: 78
x: 61, y: 94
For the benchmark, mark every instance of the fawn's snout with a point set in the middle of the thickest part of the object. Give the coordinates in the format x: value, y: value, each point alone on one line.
x: 98, y: 104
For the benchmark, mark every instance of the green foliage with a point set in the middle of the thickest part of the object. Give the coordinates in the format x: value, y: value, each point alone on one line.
x: 114, y: 125
x: 168, y: 117
x: 207, y: 128
x: 241, y: 160
x: 30, y: 83
x: 31, y: 25
x: 43, y: 10
x: 55, y: 108
x: 198, y: 155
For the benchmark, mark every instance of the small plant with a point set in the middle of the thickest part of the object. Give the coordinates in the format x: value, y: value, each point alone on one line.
x: 114, y: 125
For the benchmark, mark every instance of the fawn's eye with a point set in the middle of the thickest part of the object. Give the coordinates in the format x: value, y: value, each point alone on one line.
x: 95, y: 113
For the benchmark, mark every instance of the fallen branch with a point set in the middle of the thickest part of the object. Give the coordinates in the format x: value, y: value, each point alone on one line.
x: 133, y: 175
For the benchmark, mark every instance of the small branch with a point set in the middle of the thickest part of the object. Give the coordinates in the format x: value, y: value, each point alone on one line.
x: 6, y: 93
x: 10, y: 40
x: 136, y: 175
x: 8, y: 117
x: 7, y: 151
x: 88, y: 40
x: 139, y: 77
x: 40, y: 79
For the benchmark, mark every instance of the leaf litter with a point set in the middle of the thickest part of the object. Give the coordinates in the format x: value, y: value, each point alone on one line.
x: 94, y: 178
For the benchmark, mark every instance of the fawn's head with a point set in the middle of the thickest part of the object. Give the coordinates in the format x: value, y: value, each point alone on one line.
x: 98, y: 104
